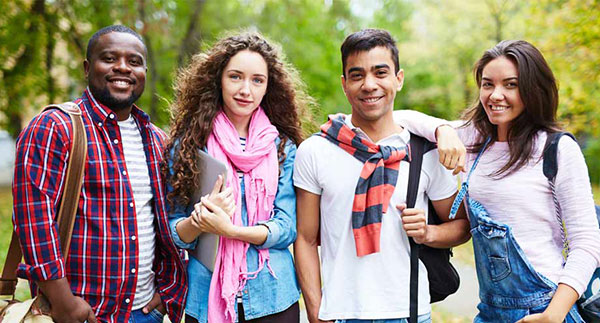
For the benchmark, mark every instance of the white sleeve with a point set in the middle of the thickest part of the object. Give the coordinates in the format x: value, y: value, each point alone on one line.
x: 422, y: 124
x: 306, y: 166
x: 575, y: 197
x: 441, y: 183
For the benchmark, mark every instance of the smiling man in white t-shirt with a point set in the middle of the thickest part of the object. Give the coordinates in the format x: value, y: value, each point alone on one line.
x: 365, y: 252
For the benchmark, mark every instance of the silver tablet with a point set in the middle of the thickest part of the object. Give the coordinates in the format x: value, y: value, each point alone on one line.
x: 210, y: 168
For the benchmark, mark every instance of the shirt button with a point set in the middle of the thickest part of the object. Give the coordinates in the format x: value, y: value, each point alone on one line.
x: 133, y: 238
x: 116, y: 141
x: 130, y: 204
x: 112, y: 116
x: 124, y: 172
x: 99, y: 124
x: 127, y: 300
x: 133, y: 270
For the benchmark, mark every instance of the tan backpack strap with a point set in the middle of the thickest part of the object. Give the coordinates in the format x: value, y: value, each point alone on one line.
x: 74, y: 180
x: 69, y: 199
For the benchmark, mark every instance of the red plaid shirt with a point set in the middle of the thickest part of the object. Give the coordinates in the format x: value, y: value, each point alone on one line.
x: 103, y: 257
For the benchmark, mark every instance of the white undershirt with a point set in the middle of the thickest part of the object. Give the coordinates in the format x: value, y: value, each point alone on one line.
x: 137, y: 170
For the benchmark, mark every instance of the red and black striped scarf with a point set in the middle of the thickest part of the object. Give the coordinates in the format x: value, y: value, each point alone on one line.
x: 376, y: 183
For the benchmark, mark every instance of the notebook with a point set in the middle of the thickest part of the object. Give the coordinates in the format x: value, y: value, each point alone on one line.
x: 210, y: 168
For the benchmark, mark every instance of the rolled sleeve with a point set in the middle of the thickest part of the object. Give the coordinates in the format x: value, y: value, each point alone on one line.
x: 42, y: 272
x: 273, y: 236
x: 282, y: 226
x: 178, y: 242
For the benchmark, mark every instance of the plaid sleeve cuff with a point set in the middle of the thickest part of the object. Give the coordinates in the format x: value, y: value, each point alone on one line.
x: 48, y: 271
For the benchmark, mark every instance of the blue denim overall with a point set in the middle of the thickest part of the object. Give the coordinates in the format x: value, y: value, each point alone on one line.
x: 509, y: 287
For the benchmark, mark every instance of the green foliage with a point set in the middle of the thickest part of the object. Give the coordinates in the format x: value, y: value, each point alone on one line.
x: 5, y: 221
x: 592, y: 158
x: 22, y: 292
x: 43, y: 43
x: 568, y: 34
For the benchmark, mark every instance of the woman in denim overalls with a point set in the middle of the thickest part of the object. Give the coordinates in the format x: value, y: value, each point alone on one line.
x: 509, y: 287
x: 505, y: 133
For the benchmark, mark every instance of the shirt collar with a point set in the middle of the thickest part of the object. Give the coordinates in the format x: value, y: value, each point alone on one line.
x: 100, y: 113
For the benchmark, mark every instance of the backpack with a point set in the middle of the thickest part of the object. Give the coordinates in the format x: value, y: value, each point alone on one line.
x: 443, y: 277
x: 589, y: 302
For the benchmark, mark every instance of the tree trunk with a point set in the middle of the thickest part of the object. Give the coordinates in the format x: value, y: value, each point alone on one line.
x: 191, y: 42
x: 72, y: 35
x: 50, y: 22
x: 12, y: 77
x: 153, y: 109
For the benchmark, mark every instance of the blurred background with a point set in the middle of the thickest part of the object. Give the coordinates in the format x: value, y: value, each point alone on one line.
x: 43, y: 43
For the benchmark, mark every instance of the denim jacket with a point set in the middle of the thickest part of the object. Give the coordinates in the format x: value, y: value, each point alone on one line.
x: 265, y: 294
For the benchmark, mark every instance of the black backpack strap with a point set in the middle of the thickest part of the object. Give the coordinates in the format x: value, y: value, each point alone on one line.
x: 418, y: 146
x: 550, y: 169
x: 550, y: 165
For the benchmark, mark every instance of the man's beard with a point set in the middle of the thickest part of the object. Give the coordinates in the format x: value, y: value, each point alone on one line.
x: 103, y: 96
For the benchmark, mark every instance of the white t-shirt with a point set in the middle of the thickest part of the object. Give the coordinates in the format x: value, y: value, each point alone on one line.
x: 374, y: 286
x: 137, y: 170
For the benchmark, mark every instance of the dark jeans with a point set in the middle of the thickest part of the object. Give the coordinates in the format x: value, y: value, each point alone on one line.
x: 290, y: 315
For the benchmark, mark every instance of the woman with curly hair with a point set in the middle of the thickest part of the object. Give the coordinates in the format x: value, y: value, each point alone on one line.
x: 242, y: 104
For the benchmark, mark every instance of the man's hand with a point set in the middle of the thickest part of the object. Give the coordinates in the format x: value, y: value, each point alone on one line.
x: 451, y: 149
x: 64, y: 306
x: 414, y: 223
x: 155, y: 302
x: 74, y: 310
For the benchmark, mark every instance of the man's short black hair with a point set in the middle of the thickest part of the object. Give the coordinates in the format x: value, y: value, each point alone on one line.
x: 110, y: 29
x: 366, y: 40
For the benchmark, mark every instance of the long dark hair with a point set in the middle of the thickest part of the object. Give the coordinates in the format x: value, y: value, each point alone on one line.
x: 539, y: 93
x: 199, y: 97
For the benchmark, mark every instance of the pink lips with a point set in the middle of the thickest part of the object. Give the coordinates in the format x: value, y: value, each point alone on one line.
x: 242, y: 102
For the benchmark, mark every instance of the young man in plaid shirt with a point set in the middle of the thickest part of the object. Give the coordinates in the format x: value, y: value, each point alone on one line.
x: 122, y: 264
x: 351, y: 188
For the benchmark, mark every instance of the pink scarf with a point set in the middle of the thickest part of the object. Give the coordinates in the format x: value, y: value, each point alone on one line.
x: 260, y: 165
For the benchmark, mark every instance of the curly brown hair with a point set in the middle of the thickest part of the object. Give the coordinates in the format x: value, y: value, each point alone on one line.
x: 198, y: 99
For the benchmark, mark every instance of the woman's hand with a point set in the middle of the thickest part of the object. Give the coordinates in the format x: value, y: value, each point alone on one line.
x: 223, y: 199
x: 213, y: 219
x: 560, y: 305
x: 539, y: 317
x: 451, y: 149
x: 192, y: 226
